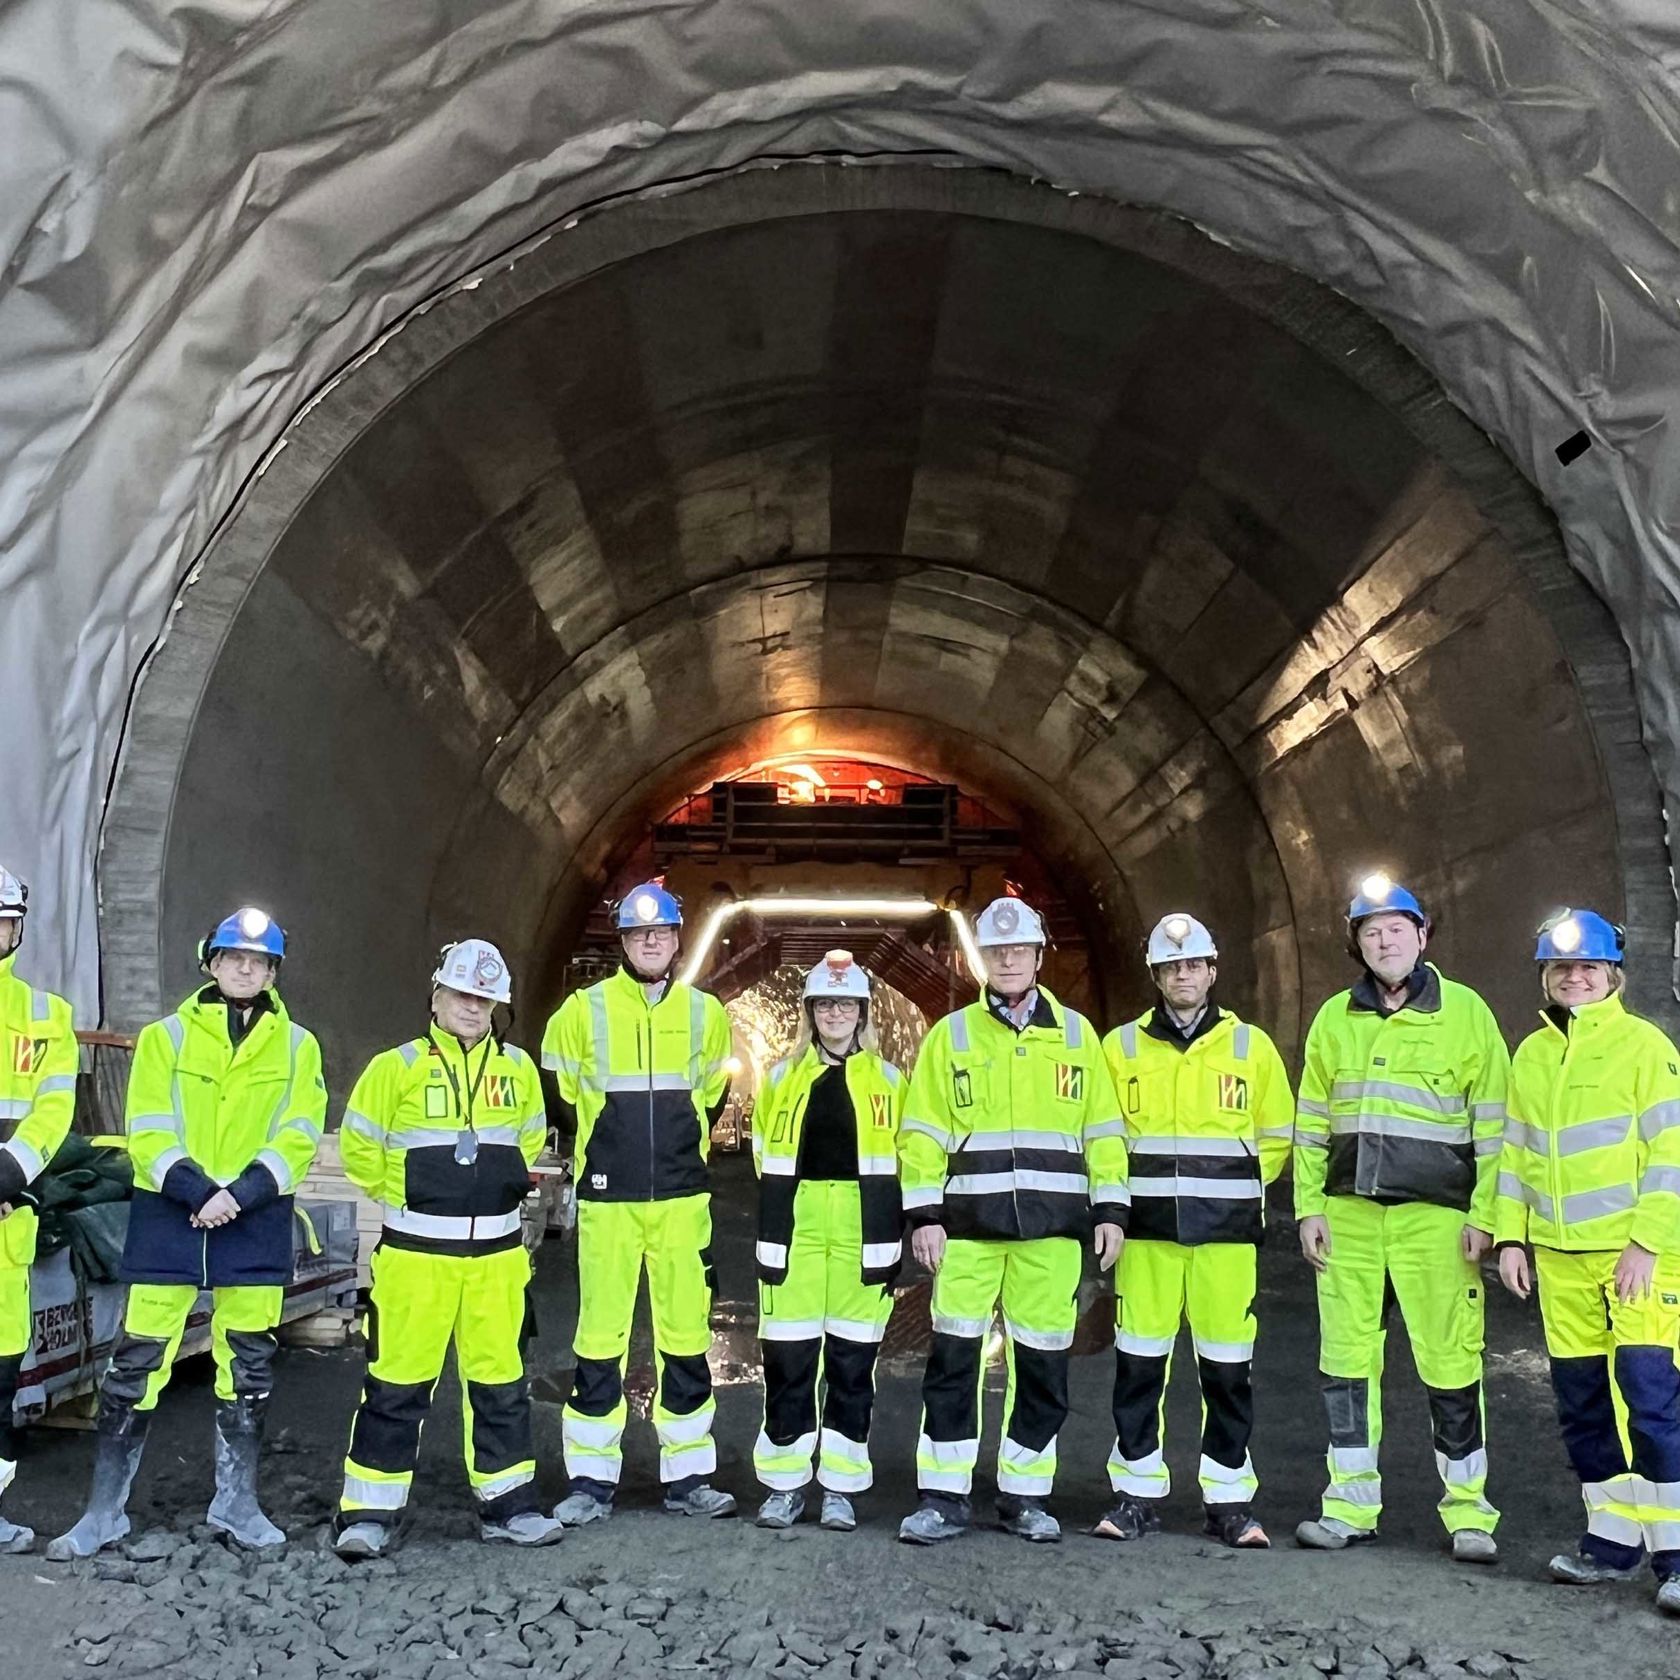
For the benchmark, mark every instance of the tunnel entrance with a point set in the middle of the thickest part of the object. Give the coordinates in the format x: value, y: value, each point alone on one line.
x: 1170, y: 558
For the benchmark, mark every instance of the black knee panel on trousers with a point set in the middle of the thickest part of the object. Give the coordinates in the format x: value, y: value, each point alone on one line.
x: 1228, y: 1407
x: 501, y: 1424
x: 685, y: 1382
x: 1138, y: 1381
x: 1347, y: 1406
x: 1455, y: 1416
x: 790, y: 1389
x: 253, y: 1361
x: 849, y: 1369
x: 11, y: 1365
x: 1041, y: 1397
x: 1650, y: 1384
x: 597, y: 1386
x: 949, y: 1387
x: 133, y: 1362
x: 386, y: 1435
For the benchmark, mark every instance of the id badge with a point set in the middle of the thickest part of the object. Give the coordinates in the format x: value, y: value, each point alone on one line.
x: 466, y: 1147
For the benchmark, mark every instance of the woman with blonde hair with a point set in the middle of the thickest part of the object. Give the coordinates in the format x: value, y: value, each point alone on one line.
x: 825, y: 1131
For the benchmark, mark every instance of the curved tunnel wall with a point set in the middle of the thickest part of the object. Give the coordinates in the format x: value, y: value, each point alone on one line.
x: 1170, y: 552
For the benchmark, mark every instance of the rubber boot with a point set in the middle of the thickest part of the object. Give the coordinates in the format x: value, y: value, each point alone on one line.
x: 234, y: 1510
x: 120, y: 1441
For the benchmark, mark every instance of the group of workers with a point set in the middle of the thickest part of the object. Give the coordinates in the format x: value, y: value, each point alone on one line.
x: 1021, y: 1140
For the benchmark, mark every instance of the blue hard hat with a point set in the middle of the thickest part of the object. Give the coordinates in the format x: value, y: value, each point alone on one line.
x: 246, y: 930
x: 1377, y: 895
x: 648, y: 906
x: 1579, y: 936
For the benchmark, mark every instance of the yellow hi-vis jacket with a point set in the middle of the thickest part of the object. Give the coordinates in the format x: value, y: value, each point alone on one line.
x: 204, y: 1113
x: 38, y: 1061
x: 643, y: 1079
x: 1013, y: 1134
x: 1209, y: 1123
x: 1592, y: 1148
x: 1407, y: 1107
x: 876, y: 1089
x: 443, y: 1138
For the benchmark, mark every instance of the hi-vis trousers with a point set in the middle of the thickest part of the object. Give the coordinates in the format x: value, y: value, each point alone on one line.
x: 1410, y: 1254
x: 1037, y: 1282
x: 1618, y: 1401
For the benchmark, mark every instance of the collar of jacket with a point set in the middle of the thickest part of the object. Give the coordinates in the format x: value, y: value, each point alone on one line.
x: 442, y: 1040
x: 6, y: 964
x: 631, y: 982
x: 1163, y: 1026
x: 1423, y: 992
x: 1587, y: 1021
x: 217, y: 1008
x: 1043, y: 1015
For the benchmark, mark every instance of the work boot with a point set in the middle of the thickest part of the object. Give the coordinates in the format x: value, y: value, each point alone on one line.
x: 1330, y: 1534
x: 837, y: 1513
x: 1235, y: 1526
x: 15, y: 1538
x: 576, y: 1509
x: 364, y: 1540
x: 1471, y: 1545
x: 1131, y: 1519
x: 929, y: 1524
x: 1027, y: 1519
x: 1576, y: 1569
x: 702, y: 1501
x: 1668, y: 1595
x: 781, y: 1510
x: 235, y: 1510
x: 120, y: 1441
x: 524, y: 1528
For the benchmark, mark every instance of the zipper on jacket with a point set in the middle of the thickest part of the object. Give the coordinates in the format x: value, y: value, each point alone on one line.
x: 653, y: 1164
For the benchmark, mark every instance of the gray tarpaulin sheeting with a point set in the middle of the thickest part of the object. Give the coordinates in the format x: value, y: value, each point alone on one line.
x: 206, y: 209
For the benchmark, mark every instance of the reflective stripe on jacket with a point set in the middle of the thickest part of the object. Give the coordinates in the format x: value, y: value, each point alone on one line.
x: 1209, y: 1123
x: 1013, y: 1134
x: 1592, y: 1149
x: 642, y: 1078
x: 204, y: 1113
x: 403, y: 1142
x: 876, y: 1089
x: 1405, y: 1107
x: 38, y: 1063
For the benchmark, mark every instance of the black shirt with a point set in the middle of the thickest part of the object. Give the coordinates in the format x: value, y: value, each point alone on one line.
x: 828, y: 1149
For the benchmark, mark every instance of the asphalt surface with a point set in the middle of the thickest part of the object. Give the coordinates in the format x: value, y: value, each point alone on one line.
x: 647, y: 1593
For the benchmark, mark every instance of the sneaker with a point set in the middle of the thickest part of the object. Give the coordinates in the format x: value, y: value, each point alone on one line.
x: 576, y: 1509
x: 702, y: 1501
x: 838, y: 1513
x: 781, y: 1510
x: 1471, y: 1545
x: 527, y: 1528
x: 1031, y: 1522
x: 363, y: 1540
x: 1237, y: 1528
x: 928, y: 1525
x: 1329, y: 1534
x: 1576, y: 1569
x: 15, y: 1538
x: 1668, y: 1595
x: 1131, y: 1519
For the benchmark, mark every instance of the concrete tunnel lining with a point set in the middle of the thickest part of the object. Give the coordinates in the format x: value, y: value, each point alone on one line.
x: 1474, y: 499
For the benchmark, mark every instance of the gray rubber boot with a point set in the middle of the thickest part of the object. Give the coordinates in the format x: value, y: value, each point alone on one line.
x: 120, y: 1442
x: 234, y: 1510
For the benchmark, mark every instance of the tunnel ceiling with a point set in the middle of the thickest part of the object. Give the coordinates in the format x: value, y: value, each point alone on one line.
x: 1170, y: 553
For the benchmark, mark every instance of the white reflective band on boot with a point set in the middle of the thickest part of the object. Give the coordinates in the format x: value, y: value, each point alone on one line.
x: 443, y: 1229
x: 363, y: 1495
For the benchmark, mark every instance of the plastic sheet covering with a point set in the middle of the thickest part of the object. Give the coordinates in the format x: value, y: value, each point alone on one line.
x: 207, y: 208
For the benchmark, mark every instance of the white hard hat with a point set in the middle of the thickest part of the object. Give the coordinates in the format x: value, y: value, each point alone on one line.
x: 476, y: 967
x: 837, y: 976
x: 1178, y: 938
x: 14, y: 897
x: 1009, y: 921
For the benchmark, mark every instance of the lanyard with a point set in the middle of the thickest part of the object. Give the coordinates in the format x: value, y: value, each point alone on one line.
x: 466, y: 1145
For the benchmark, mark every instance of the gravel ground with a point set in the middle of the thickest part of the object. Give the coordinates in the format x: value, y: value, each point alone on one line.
x: 650, y: 1594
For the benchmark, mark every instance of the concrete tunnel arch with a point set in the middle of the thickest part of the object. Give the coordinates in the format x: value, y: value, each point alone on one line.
x: 690, y: 482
